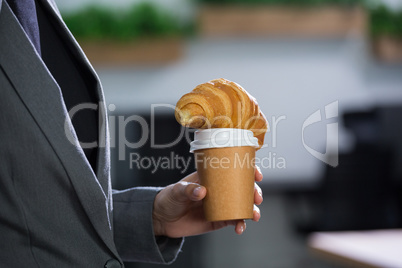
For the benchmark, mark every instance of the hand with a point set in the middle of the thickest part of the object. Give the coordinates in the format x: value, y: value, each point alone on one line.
x: 178, y: 209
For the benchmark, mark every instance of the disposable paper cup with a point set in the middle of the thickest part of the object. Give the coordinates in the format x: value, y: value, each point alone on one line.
x: 225, y: 164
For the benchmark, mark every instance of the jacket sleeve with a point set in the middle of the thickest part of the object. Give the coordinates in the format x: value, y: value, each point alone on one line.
x: 133, y: 228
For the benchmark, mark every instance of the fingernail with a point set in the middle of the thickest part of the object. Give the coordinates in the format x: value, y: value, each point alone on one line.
x: 241, y: 229
x: 259, y: 192
x: 257, y: 210
x: 259, y: 169
x: 197, y: 191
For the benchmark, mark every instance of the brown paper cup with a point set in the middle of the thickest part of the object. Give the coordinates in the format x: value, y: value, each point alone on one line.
x: 228, y: 175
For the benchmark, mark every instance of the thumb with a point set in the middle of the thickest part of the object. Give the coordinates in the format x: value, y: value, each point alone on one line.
x: 193, y: 177
x: 184, y: 191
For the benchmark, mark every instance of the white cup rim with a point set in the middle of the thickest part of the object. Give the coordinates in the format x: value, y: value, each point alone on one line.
x: 222, y: 137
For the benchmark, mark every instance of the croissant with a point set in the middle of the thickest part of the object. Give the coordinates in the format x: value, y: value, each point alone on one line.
x: 221, y: 103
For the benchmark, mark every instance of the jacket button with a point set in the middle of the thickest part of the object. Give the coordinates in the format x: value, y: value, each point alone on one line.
x: 112, y: 263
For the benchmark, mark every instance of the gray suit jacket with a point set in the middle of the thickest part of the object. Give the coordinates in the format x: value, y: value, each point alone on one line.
x: 54, y: 210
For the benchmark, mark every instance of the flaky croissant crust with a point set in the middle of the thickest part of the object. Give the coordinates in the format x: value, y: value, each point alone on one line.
x: 221, y: 103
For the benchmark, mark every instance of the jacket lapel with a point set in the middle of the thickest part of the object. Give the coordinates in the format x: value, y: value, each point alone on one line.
x: 103, y: 153
x: 42, y: 97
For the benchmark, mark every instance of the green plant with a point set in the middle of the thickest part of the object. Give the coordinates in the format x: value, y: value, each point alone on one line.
x: 141, y: 20
x: 383, y: 21
x: 285, y: 2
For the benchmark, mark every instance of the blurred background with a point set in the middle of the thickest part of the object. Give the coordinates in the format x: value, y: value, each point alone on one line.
x: 326, y: 73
